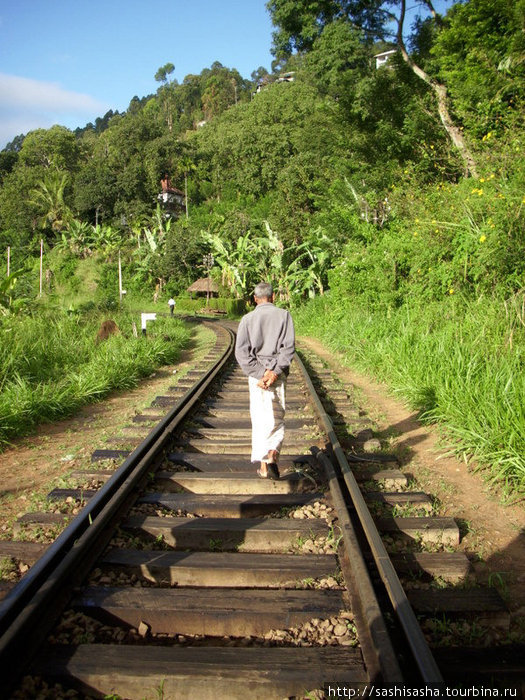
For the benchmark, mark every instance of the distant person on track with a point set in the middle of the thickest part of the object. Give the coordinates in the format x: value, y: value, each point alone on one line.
x: 171, y: 304
x: 264, y: 349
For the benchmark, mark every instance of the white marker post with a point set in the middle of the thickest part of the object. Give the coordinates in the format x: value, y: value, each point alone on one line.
x: 41, y: 261
x: 144, y: 318
x: 119, y: 280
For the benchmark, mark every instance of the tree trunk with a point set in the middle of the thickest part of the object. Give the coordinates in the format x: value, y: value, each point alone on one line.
x: 440, y: 91
x: 186, y: 192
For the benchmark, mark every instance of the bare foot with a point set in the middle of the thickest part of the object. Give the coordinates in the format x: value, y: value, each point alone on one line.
x: 273, y: 456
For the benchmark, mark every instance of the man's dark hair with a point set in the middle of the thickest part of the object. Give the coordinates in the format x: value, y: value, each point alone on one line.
x: 263, y: 290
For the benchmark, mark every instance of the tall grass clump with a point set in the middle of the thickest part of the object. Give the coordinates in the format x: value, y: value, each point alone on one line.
x: 50, y: 366
x: 459, y: 363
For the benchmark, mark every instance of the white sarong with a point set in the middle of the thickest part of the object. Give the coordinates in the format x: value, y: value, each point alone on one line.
x: 267, y: 408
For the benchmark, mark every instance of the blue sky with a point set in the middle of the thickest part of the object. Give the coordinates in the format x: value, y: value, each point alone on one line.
x: 70, y: 61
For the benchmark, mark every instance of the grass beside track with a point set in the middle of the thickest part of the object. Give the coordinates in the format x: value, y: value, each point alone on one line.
x: 459, y: 364
x: 51, y: 364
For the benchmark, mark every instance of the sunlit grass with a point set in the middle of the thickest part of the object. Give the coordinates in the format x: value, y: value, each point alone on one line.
x: 457, y: 364
x: 50, y: 366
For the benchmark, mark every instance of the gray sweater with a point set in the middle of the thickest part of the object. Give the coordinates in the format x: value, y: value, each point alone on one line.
x: 265, y: 340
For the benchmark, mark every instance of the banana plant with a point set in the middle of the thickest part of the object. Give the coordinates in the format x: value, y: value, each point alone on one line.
x: 105, y: 239
x: 273, y: 262
x: 239, y: 262
x: 76, y: 237
x: 307, y: 273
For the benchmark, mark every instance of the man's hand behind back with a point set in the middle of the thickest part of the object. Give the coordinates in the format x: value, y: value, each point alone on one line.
x: 268, y: 379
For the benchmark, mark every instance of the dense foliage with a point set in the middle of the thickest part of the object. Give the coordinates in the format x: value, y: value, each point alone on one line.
x: 394, y: 193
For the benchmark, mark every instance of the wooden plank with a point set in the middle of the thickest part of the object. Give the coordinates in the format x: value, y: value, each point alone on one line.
x: 370, y: 459
x: 229, y: 534
x: 238, y: 390
x: 427, y: 529
x: 26, y: 552
x: 165, y: 401
x: 221, y: 569
x: 155, y: 411
x: 228, y: 506
x: 231, y: 483
x: 148, y: 418
x: 77, y: 494
x: 139, y: 431
x: 485, y: 605
x: 119, y: 455
x: 237, y: 403
x: 206, y: 673
x: 221, y: 409
x: 209, y: 611
x: 229, y: 433
x: 231, y: 447
x: 416, y: 499
x: 449, y: 566
x: 390, y: 477
x: 507, y: 661
x: 234, y: 423
x: 5, y: 588
x: 37, y: 521
x: 232, y: 462
x: 124, y: 440
x: 86, y: 474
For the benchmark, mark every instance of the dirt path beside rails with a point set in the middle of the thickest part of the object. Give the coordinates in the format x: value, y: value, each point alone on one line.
x: 33, y: 465
x: 493, y: 534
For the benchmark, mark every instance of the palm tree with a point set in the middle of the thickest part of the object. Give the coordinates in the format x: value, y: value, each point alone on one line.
x: 48, y: 196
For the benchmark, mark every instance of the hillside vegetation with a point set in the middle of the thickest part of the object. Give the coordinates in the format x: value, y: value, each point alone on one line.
x: 385, y: 204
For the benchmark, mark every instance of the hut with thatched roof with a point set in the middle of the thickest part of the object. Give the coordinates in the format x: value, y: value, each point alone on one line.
x: 203, y: 287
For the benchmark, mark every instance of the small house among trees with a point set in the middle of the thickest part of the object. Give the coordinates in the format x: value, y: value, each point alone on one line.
x: 383, y: 57
x: 171, y: 199
x: 204, y: 287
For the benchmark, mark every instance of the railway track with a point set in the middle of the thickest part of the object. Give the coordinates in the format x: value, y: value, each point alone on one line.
x: 185, y: 575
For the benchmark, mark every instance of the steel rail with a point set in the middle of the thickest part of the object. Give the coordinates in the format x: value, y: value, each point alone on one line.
x: 426, y: 664
x: 27, y: 613
x: 381, y: 661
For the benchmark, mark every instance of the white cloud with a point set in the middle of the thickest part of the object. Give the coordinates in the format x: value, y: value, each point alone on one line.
x: 27, y: 104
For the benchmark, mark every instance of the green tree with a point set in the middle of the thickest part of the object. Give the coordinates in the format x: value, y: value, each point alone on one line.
x: 19, y: 215
x: 56, y: 147
x: 166, y: 91
x: 480, y: 53
x: 187, y: 166
x: 49, y: 197
x: 338, y: 60
x: 182, y: 255
x: 301, y: 23
x: 8, y: 160
x: 221, y: 90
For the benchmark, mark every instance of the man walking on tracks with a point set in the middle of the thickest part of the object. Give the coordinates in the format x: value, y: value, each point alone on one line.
x: 264, y: 349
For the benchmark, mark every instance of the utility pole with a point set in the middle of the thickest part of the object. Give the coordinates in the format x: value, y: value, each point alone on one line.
x: 207, y: 263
